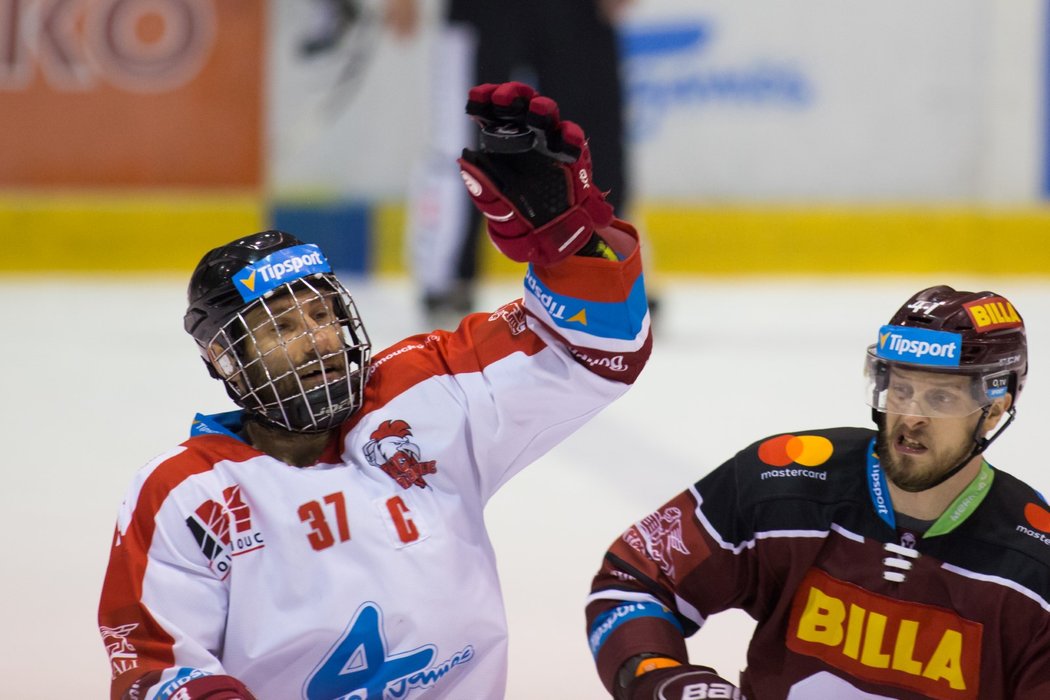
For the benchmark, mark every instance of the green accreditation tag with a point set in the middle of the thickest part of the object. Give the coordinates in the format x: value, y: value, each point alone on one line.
x: 964, y: 504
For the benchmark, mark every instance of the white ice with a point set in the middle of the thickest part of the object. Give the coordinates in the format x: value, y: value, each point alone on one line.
x: 99, y: 377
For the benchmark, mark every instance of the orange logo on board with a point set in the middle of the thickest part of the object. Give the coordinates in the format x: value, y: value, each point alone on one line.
x: 992, y: 314
x: 928, y: 650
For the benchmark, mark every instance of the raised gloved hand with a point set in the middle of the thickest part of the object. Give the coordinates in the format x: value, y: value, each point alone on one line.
x: 685, y: 682
x: 213, y: 688
x: 532, y: 176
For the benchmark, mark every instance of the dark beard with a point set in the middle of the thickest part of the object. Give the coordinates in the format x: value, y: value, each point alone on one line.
x: 895, y: 466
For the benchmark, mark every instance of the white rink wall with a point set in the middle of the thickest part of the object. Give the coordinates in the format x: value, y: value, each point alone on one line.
x: 763, y: 101
x: 102, y: 378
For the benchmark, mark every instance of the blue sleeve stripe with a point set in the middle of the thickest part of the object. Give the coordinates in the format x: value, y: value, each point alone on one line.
x: 621, y: 320
x: 182, y: 676
x: 606, y: 623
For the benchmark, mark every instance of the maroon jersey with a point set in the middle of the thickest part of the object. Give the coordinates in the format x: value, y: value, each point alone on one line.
x: 798, y: 531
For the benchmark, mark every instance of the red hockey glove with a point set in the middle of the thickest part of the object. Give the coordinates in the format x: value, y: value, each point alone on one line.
x: 683, y: 682
x: 213, y: 688
x: 532, y: 176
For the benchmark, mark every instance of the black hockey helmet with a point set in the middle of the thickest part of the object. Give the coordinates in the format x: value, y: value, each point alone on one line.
x: 233, y: 299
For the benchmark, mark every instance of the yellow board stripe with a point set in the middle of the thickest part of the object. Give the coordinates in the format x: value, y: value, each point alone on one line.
x: 148, y: 232
x: 686, y: 239
x: 121, y: 233
x: 716, y: 241
x: 389, y: 246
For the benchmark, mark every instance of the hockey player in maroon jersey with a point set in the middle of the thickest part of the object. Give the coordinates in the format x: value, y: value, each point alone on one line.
x: 326, y: 541
x: 887, y: 563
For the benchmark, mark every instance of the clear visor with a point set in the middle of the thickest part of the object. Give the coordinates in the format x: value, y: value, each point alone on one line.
x: 902, y: 389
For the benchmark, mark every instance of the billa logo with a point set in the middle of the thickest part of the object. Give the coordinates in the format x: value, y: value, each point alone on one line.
x: 992, y: 314
x: 807, y: 450
x: 928, y: 650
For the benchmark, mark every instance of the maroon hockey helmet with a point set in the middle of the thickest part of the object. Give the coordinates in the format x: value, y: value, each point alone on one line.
x: 991, y: 331
x: 940, y: 330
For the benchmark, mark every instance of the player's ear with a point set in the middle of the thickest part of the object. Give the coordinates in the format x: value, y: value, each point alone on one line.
x: 996, y: 411
x: 221, y: 365
x: 219, y: 361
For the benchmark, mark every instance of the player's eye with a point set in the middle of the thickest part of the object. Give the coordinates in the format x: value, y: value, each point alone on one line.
x: 901, y: 392
x: 941, y: 398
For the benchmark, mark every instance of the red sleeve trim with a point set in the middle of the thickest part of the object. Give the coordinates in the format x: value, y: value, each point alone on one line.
x: 135, y: 641
x: 482, y: 339
x: 595, y: 279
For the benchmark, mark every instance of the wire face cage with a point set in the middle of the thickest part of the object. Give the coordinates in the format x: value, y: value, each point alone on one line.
x: 296, y: 357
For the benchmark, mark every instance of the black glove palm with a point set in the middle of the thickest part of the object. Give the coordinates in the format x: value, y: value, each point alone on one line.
x: 532, y: 177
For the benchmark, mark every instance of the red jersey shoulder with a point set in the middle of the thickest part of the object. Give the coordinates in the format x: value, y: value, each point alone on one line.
x: 197, y: 455
x: 480, y: 340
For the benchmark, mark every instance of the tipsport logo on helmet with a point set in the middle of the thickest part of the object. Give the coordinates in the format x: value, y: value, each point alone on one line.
x: 919, y: 346
x: 263, y: 276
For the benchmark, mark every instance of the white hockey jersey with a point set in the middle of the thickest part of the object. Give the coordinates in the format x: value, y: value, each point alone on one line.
x: 369, y: 574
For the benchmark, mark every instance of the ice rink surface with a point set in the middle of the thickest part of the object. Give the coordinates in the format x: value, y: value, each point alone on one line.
x: 100, y: 378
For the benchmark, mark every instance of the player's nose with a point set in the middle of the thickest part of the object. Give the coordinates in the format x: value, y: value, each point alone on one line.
x: 326, y: 337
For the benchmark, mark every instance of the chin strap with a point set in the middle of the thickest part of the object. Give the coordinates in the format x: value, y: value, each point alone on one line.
x: 980, y: 443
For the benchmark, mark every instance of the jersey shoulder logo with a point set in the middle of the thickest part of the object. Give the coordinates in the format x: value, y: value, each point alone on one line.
x: 794, y: 457
x: 1037, y: 523
x: 122, y: 654
x: 390, y: 448
x: 224, y: 530
x: 658, y: 535
x: 514, y: 315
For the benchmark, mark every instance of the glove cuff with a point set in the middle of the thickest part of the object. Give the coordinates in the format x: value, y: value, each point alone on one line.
x: 681, y: 682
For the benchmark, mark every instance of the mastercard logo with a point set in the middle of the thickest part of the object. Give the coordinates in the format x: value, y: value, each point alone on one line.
x: 807, y: 450
x: 1037, y: 517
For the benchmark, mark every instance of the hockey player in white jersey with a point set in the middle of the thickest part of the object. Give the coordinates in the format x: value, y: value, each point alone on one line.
x: 325, y: 541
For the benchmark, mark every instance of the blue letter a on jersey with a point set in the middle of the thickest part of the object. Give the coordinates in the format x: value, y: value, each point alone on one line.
x: 358, y: 667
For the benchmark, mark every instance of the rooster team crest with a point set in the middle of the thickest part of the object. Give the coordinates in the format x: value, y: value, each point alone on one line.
x: 392, y: 450
x: 514, y: 315
x: 657, y: 535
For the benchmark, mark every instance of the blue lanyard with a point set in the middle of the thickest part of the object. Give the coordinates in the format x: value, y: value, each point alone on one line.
x: 958, y: 510
x: 877, y: 488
